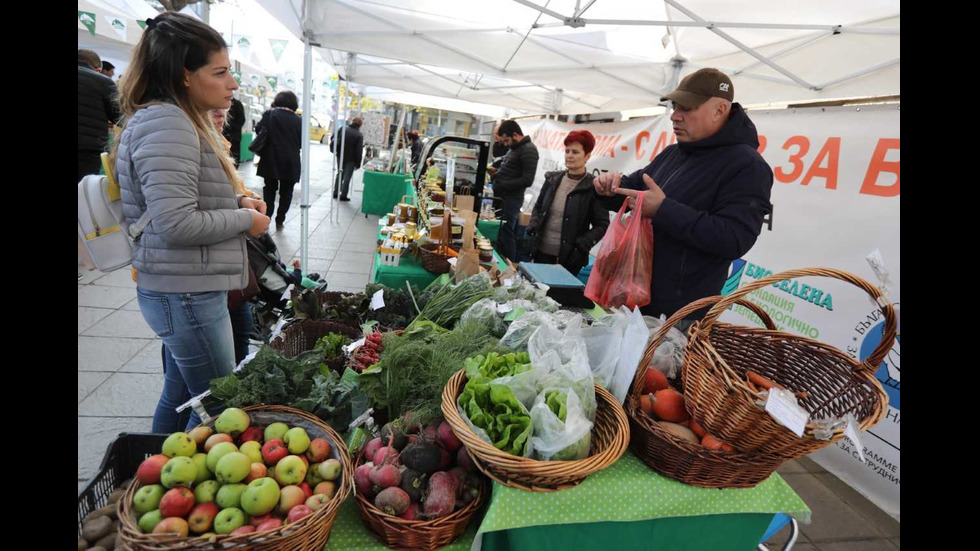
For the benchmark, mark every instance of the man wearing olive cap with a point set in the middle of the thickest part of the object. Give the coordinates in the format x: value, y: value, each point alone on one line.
x: 707, y: 194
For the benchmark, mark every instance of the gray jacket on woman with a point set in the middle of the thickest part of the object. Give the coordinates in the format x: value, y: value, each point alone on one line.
x: 194, y: 241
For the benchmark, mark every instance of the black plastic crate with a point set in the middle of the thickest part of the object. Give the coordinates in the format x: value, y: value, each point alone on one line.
x: 121, y: 460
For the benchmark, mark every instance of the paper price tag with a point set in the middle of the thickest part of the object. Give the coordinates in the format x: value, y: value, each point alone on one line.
x: 354, y: 346
x: 782, y: 406
x: 378, y: 300
x: 508, y: 282
x: 851, y: 433
x: 277, y: 329
x: 285, y: 295
x: 452, y: 262
x: 504, y: 308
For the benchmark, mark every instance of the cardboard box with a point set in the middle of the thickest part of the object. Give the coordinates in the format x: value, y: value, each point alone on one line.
x: 525, y: 219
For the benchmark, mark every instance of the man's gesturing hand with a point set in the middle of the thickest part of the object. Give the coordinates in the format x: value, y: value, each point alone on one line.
x: 607, y: 183
x: 651, y: 200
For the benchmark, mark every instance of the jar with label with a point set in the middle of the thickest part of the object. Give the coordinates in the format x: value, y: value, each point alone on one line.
x: 486, y: 253
x: 411, y: 229
x: 402, y: 212
x: 391, y: 219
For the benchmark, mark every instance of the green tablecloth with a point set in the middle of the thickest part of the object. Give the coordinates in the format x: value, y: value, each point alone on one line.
x: 382, y: 191
x: 350, y: 534
x: 410, y: 269
x: 627, y: 506
x: 489, y: 228
x: 246, y: 154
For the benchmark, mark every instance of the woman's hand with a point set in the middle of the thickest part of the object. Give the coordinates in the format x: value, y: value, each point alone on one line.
x: 260, y: 223
x: 256, y: 204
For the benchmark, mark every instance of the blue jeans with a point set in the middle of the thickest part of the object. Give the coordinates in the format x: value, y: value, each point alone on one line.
x: 242, y: 326
x: 507, y: 238
x: 197, y: 346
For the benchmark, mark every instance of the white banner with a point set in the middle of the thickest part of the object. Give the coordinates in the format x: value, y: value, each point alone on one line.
x: 836, y: 198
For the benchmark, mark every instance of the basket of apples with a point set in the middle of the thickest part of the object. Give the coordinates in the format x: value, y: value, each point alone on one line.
x: 417, y: 489
x: 262, y: 477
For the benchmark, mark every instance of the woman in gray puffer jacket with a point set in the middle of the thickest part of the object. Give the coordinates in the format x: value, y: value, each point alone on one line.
x: 170, y: 167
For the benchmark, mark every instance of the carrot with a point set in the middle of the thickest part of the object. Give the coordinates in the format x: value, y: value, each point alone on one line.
x: 761, y: 381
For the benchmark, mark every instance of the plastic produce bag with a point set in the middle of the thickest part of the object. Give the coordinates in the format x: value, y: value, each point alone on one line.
x: 669, y: 356
x: 603, y: 344
x: 633, y: 334
x: 493, y: 413
x: 622, y: 271
x: 521, y: 329
x: 561, y: 361
x: 561, y: 430
x: 485, y: 313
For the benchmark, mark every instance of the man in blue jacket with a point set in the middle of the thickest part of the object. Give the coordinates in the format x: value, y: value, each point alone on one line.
x: 707, y: 194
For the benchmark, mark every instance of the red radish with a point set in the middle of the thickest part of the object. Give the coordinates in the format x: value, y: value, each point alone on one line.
x: 430, y: 433
x: 372, y: 448
x: 386, y: 455
x: 385, y: 476
x: 459, y: 474
x: 446, y: 460
x: 447, y: 438
x: 413, y: 512
x: 362, y: 480
x: 463, y: 460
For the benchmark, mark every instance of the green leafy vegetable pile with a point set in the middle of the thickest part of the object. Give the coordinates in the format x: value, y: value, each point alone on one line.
x: 494, y: 407
x: 448, y: 303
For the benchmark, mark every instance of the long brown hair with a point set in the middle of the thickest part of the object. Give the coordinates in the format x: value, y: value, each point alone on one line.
x: 171, y: 43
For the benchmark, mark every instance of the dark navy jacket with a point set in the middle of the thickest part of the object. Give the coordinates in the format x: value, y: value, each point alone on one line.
x: 717, y: 196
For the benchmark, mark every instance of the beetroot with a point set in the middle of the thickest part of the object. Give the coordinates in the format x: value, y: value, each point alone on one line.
x: 386, y: 455
x: 440, y: 500
x: 464, y: 460
x: 372, y: 448
x: 422, y: 456
x: 390, y: 434
x: 413, y: 438
x: 447, y: 438
x: 414, y: 512
x: 362, y: 480
x: 393, y: 501
x: 413, y: 482
x: 430, y: 433
x: 445, y: 460
x: 410, y: 423
x: 459, y: 475
x: 385, y: 476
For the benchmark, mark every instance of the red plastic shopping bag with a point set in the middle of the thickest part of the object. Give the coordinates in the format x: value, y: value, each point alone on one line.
x: 622, y: 270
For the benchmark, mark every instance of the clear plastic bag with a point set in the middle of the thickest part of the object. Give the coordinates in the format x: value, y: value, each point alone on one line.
x: 603, y: 344
x: 561, y: 431
x: 485, y: 313
x: 669, y: 356
x: 521, y: 329
x: 561, y: 361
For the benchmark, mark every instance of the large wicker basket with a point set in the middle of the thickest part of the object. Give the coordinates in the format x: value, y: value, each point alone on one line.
x: 610, y: 437
x: 677, y: 458
x: 312, y: 532
x: 398, y: 533
x: 719, y: 397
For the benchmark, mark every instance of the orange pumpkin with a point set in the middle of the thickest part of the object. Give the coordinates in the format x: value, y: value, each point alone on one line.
x: 668, y: 405
x: 713, y: 443
x: 654, y: 380
x: 646, y: 404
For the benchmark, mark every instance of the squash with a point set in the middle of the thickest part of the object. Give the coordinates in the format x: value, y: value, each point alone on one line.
x: 681, y: 432
x: 654, y: 380
x: 668, y: 405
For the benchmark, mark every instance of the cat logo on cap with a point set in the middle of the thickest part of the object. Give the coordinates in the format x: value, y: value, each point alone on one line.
x: 723, y: 86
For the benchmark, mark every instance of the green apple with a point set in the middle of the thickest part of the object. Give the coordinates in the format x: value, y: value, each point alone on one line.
x: 148, y: 521
x: 260, y: 497
x: 289, y: 497
x: 290, y: 470
x: 275, y: 430
x: 253, y: 450
x: 230, y: 495
x: 179, y: 471
x: 203, y: 473
x: 312, y: 476
x: 296, y: 440
x: 217, y: 452
x: 329, y: 469
x: 229, y: 520
x: 206, y: 491
x: 232, y: 468
x: 232, y: 421
x: 147, y: 498
x: 179, y: 443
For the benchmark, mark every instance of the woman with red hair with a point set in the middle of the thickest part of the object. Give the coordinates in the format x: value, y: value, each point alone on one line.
x: 567, y: 221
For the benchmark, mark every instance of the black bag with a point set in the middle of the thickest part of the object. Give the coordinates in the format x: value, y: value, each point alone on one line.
x: 259, y: 142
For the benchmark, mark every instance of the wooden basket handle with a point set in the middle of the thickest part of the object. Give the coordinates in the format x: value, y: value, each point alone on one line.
x: 890, y: 331
x: 654, y: 343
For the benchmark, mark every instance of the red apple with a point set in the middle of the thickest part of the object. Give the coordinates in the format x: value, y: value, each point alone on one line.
x: 202, y: 516
x: 270, y: 524
x: 149, y: 470
x: 318, y: 451
x: 325, y: 488
x: 252, y: 433
x: 273, y: 451
x: 177, y: 502
x: 215, y: 439
x: 242, y: 530
x: 317, y: 501
x: 305, y: 461
x: 258, y: 471
x: 172, y: 525
x: 256, y: 521
x: 200, y: 435
x: 307, y: 491
x: 297, y: 513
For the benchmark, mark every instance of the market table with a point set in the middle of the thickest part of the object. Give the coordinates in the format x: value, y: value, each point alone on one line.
x: 382, y: 191
x: 245, y: 154
x: 410, y: 269
x: 489, y: 228
x: 628, y: 506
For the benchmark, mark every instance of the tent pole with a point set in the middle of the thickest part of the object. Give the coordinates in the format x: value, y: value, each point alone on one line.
x: 304, y: 245
x: 835, y: 82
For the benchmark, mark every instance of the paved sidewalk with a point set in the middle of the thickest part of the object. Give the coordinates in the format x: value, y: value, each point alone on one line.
x: 120, y: 375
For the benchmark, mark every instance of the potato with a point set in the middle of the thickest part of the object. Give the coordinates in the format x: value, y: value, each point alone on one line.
x: 109, y: 542
x: 82, y: 544
x: 116, y: 494
x: 94, y: 515
x: 96, y: 529
x: 126, y: 483
x: 98, y: 548
x: 109, y: 511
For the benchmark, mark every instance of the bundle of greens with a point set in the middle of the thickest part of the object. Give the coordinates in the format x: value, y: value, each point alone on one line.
x: 399, y: 309
x: 301, y: 382
x: 318, y: 304
x: 448, y: 303
x: 494, y: 407
x: 416, y: 366
x: 331, y: 348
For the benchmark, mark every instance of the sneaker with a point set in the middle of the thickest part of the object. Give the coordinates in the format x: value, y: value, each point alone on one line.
x: 345, y: 198
x: 279, y: 226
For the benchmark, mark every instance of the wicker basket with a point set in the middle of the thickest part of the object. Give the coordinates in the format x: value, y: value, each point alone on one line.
x: 312, y: 532
x: 302, y: 335
x: 610, y: 437
x: 398, y: 533
x: 432, y: 261
x: 719, y: 354
x: 675, y: 457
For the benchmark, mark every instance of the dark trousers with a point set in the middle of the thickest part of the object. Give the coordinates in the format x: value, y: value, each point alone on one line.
x: 242, y: 327
x: 285, y: 198
x: 507, y: 239
x: 541, y: 258
x: 89, y: 162
x: 345, y: 185
x: 236, y: 151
